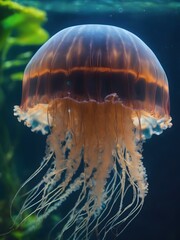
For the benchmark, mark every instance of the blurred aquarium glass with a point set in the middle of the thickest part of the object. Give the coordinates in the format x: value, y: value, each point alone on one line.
x: 24, y: 26
x: 75, y: 6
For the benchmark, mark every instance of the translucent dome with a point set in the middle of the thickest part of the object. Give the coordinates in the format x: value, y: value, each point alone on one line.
x: 97, y: 63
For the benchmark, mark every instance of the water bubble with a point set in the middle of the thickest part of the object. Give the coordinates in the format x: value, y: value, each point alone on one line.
x: 120, y: 10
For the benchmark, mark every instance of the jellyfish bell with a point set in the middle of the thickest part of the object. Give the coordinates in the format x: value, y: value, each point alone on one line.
x: 98, y: 92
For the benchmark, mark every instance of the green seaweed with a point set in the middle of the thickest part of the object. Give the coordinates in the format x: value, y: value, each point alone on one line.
x: 19, y: 26
x: 20, y: 30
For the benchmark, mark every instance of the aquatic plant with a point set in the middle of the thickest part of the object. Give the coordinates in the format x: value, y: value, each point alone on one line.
x: 20, y: 27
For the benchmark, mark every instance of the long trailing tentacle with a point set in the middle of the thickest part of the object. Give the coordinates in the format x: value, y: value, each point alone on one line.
x: 92, y: 156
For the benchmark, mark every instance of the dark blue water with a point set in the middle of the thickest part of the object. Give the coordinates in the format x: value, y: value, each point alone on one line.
x: 159, y: 218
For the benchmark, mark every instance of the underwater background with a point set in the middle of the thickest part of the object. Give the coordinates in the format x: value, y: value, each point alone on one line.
x: 22, y: 31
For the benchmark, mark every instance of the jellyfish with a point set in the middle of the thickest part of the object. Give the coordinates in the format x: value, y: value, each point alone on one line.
x: 97, y: 92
